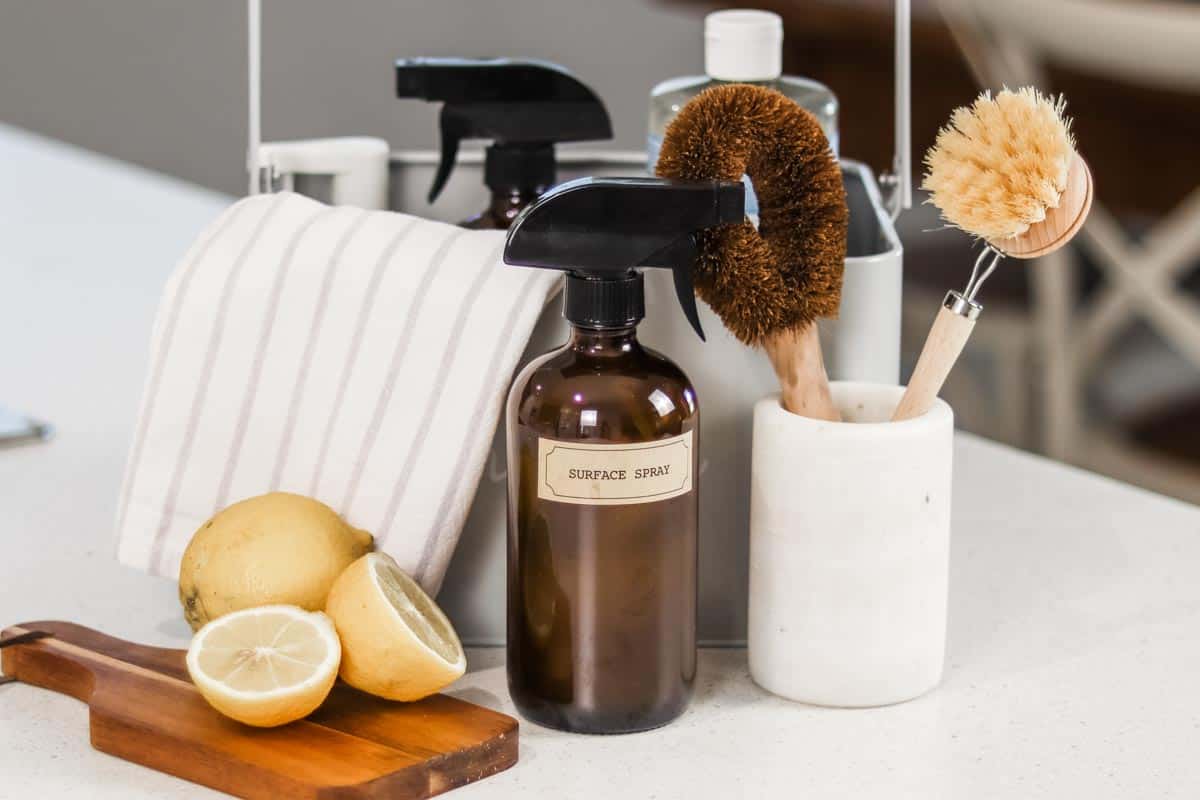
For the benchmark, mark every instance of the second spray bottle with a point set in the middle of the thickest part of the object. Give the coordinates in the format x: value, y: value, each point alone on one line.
x: 523, y: 107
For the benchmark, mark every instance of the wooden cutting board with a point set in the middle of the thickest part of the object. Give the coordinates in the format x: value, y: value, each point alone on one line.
x: 145, y: 709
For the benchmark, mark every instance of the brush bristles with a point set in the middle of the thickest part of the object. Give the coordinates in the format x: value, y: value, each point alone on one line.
x: 788, y: 272
x: 1001, y: 163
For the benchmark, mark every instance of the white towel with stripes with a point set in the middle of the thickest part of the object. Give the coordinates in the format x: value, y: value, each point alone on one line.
x: 359, y: 357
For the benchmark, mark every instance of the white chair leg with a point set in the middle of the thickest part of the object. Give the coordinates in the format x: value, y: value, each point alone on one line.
x: 1053, y: 283
x: 1013, y: 372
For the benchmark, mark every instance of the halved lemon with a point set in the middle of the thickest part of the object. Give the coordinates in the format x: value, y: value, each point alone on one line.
x: 396, y: 642
x: 266, y: 666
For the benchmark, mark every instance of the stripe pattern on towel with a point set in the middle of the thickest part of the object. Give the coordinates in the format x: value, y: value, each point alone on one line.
x: 358, y: 357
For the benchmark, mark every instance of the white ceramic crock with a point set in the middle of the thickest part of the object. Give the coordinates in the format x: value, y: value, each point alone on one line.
x: 849, y: 550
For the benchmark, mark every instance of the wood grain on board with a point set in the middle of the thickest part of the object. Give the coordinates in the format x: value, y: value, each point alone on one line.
x: 144, y: 709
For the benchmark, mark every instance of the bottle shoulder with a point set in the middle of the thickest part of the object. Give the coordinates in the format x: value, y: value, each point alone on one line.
x: 797, y: 83
x: 691, y: 84
x: 671, y: 95
x: 808, y: 94
x: 688, y: 86
x: 567, y: 364
x: 485, y: 220
x: 639, y: 397
x: 668, y: 97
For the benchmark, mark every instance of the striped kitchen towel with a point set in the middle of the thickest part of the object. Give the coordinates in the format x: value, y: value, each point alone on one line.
x: 359, y: 357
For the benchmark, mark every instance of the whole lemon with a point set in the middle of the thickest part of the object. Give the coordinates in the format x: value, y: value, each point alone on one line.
x: 277, y: 548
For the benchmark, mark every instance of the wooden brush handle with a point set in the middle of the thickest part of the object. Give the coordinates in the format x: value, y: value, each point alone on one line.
x: 945, y: 342
x: 796, y: 357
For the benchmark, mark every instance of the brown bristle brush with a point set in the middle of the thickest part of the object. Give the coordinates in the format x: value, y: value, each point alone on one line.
x: 769, y: 285
x: 1005, y: 170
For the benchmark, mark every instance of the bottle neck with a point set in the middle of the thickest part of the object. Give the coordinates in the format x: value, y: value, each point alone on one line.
x: 506, y: 204
x: 608, y: 303
x: 517, y: 175
x: 603, y: 342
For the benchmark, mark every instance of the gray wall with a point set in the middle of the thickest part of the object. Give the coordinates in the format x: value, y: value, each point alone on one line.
x: 162, y: 82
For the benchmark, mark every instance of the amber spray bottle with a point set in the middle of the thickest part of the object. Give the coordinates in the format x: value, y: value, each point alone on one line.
x: 523, y: 107
x: 603, y: 452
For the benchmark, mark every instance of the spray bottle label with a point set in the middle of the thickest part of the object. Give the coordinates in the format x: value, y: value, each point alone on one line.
x: 614, y: 474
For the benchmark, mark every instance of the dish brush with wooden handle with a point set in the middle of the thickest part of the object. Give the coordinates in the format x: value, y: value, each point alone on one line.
x: 1005, y: 170
x: 768, y: 285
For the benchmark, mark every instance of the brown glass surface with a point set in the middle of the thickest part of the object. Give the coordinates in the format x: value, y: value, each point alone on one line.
x: 503, y: 209
x: 601, y: 599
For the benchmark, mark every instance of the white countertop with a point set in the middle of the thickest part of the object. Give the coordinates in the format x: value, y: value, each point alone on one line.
x: 1075, y: 604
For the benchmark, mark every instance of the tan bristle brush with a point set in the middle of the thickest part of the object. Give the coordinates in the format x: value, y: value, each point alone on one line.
x: 769, y: 285
x: 1005, y: 170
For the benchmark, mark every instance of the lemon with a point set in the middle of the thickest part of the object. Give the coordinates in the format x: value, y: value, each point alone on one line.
x: 265, y: 666
x: 275, y: 548
x: 396, y: 642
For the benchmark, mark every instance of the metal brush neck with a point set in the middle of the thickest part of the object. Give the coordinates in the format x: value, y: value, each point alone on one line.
x: 963, y: 303
x: 980, y: 273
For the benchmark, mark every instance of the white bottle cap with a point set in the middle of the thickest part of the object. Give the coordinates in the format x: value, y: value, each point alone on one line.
x: 743, y: 45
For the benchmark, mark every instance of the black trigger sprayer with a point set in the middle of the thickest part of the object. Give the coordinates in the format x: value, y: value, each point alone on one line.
x: 522, y: 106
x: 600, y: 230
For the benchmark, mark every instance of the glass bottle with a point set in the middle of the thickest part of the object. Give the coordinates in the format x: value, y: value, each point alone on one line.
x: 503, y: 209
x: 740, y: 46
x: 602, y: 596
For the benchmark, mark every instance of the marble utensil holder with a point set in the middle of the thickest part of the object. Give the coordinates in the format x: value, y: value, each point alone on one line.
x: 849, y: 550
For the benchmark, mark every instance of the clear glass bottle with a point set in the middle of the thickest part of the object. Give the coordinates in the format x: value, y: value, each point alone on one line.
x: 740, y: 46
x: 601, y: 598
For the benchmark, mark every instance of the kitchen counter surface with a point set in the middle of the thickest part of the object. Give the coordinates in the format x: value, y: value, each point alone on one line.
x: 1075, y: 604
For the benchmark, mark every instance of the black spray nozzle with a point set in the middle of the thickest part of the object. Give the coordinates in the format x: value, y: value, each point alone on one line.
x: 523, y: 106
x: 600, y: 229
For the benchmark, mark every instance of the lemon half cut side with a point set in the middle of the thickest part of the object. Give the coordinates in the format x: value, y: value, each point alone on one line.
x: 396, y: 642
x: 266, y: 666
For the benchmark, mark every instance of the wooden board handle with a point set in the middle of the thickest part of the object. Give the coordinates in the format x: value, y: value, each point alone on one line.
x: 87, y: 645
x: 62, y: 662
x: 796, y: 357
x: 945, y: 342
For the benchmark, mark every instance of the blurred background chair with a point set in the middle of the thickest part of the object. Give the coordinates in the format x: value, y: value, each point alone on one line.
x: 1114, y: 320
